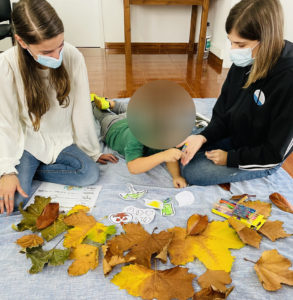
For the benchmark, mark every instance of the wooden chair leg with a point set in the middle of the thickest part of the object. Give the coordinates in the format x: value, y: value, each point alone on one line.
x: 192, y: 29
x: 203, y: 30
x: 127, y: 28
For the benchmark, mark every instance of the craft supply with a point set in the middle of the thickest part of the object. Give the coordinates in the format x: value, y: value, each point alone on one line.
x: 233, y: 208
x: 120, y: 218
x: 132, y: 194
x: 168, y: 210
x: 156, y: 204
x: 184, y: 198
x: 184, y: 147
x: 141, y: 215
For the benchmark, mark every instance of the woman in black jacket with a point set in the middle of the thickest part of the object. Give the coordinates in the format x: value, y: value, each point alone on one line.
x: 251, y: 130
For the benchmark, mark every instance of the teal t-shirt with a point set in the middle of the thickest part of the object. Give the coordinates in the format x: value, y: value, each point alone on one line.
x: 120, y: 139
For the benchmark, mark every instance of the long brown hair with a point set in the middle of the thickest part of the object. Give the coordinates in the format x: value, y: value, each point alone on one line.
x: 260, y: 20
x: 35, y: 21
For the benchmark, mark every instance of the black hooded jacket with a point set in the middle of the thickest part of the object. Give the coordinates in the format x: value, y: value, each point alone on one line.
x: 259, y: 119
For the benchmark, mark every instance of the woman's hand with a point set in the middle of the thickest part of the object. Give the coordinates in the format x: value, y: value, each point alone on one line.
x: 104, y: 158
x: 218, y: 157
x: 9, y: 184
x: 179, y: 182
x: 193, y: 144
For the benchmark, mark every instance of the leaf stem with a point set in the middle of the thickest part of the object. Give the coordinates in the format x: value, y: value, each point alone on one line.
x: 246, y: 259
x: 58, y: 243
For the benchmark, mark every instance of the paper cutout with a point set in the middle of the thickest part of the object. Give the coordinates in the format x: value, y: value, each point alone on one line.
x: 133, y: 193
x: 168, y: 210
x: 143, y: 216
x: 156, y: 204
x: 184, y: 198
x: 120, y: 218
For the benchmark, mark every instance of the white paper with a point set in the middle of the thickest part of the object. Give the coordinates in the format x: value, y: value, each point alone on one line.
x: 185, y: 198
x: 143, y: 216
x: 68, y: 196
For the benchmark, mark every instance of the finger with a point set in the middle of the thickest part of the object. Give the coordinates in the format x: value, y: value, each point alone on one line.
x: 181, y: 144
x: 10, y: 203
x: 113, y: 158
x: 2, y: 206
x: 21, y: 191
x: 6, y: 203
x: 102, y: 162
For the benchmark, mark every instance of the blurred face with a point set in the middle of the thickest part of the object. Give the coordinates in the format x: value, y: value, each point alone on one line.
x: 51, y: 47
x: 238, y: 42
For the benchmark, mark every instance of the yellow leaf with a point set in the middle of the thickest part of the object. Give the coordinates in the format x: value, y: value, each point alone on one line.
x: 211, y: 247
x: 30, y: 241
x: 86, y: 258
x: 85, y: 226
x: 78, y: 208
x: 174, y: 283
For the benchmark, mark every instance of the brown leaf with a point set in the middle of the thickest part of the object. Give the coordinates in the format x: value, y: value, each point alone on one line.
x: 216, y: 279
x: 30, y: 241
x: 273, y: 230
x: 140, y: 246
x: 272, y: 270
x: 196, y: 224
x: 48, y: 216
x: 262, y: 208
x: 247, y: 235
x: 210, y: 294
x: 281, y: 202
x: 225, y: 186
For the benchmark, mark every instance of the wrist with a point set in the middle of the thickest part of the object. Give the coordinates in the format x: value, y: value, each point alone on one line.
x: 203, y: 138
x: 8, y: 174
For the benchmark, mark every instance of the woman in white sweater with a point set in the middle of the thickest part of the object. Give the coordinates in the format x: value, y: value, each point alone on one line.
x: 46, y: 121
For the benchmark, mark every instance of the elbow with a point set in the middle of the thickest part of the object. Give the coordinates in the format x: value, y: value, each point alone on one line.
x: 132, y: 169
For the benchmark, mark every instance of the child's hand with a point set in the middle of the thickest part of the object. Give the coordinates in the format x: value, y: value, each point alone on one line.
x: 179, y: 182
x: 104, y: 158
x: 218, y: 157
x: 172, y: 155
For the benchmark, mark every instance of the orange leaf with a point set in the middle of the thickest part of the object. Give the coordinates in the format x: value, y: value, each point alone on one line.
x: 210, y: 294
x: 262, y: 208
x: 140, y: 246
x: 196, y: 224
x: 272, y: 270
x: 48, y: 216
x: 225, y: 186
x: 30, y: 241
x: 281, y: 202
x: 247, y: 235
x: 273, y: 230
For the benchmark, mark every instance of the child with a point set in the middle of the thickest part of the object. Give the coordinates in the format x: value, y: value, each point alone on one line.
x: 117, y: 135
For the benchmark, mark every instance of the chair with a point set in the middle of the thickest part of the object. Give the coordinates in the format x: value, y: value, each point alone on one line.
x: 5, y: 15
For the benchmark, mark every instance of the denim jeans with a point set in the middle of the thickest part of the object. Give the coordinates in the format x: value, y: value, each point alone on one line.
x: 202, y: 171
x: 72, y: 167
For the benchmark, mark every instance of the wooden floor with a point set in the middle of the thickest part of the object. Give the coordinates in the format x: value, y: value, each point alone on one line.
x: 114, y: 76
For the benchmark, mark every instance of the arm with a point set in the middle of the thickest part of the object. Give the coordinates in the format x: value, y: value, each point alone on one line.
x: 144, y: 164
x: 174, y: 170
x: 85, y: 136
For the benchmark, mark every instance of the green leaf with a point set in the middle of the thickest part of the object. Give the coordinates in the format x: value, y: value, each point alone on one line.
x: 55, y: 229
x: 31, y: 213
x: 40, y: 258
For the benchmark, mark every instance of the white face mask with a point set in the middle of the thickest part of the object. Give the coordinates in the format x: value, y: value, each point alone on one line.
x: 242, y: 57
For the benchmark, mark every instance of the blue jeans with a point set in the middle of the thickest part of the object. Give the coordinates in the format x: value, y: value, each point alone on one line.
x: 72, y: 167
x: 202, y: 171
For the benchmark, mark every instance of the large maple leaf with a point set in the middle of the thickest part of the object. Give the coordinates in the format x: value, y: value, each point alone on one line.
x: 86, y: 257
x: 175, y: 283
x: 140, y: 246
x: 85, y: 227
x: 211, y: 247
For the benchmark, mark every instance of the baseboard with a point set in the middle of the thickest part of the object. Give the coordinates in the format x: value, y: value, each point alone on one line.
x: 152, y: 48
x: 215, y: 60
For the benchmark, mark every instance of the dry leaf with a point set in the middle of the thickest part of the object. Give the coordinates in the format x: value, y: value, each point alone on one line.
x: 247, y: 235
x: 30, y: 241
x: 281, y: 202
x: 225, y: 186
x: 55, y: 229
x: 78, y: 208
x: 262, y: 208
x: 273, y: 230
x: 210, y: 294
x: 48, y: 216
x: 211, y: 247
x: 140, y: 246
x: 217, y: 280
x: 139, y: 281
x: 86, y: 258
x: 85, y: 226
x: 196, y: 224
x: 272, y: 270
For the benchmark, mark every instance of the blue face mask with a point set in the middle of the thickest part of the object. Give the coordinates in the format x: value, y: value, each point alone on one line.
x: 48, y: 61
x: 242, y: 57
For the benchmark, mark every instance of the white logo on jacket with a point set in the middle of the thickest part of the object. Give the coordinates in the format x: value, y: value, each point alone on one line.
x: 259, y: 97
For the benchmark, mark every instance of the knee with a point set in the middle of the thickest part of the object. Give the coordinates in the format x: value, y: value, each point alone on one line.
x: 90, y: 175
